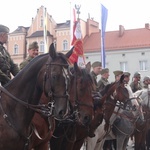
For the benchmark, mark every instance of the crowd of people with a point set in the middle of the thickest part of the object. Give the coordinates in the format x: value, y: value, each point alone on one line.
x: 136, y: 83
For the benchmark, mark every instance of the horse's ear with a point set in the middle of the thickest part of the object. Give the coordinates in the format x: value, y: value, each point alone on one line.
x: 122, y: 78
x: 88, y: 66
x: 69, y: 53
x: 77, y: 69
x: 52, y: 51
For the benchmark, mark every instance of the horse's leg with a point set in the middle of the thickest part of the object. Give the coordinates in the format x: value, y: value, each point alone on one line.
x: 91, y: 142
x: 120, y: 141
x: 140, y: 138
x: 99, y: 145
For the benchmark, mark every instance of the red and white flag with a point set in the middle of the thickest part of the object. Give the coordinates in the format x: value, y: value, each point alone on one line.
x: 78, y: 54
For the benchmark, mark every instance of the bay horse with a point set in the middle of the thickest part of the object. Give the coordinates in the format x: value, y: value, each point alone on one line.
x: 43, y: 126
x: 81, y: 100
x: 122, y: 125
x: 115, y: 91
x: 20, y: 98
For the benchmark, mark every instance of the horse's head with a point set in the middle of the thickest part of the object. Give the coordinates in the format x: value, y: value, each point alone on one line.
x: 56, y: 82
x: 112, y: 93
x: 81, y: 94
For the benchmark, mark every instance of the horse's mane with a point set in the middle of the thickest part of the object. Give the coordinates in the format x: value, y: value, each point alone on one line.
x: 86, y: 76
x: 105, y: 89
x: 28, y: 67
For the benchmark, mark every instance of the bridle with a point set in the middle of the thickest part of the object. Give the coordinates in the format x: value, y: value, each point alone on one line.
x: 77, y: 100
x: 50, y: 93
x: 44, y: 109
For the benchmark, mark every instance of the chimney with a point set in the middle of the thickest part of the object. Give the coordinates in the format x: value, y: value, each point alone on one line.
x: 121, y: 30
x: 147, y: 25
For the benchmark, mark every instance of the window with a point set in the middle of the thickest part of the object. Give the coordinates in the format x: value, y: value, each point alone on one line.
x: 143, y: 65
x: 123, y: 66
x: 65, y: 45
x: 41, y: 49
x: 16, y: 50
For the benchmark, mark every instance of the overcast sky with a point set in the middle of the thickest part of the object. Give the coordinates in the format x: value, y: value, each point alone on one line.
x: 129, y: 13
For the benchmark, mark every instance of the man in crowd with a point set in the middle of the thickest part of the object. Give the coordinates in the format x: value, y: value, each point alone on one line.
x: 7, y: 66
x: 126, y: 77
x: 32, y: 52
x: 104, y: 78
x: 146, y: 82
x: 136, y: 83
x: 97, y: 67
x: 118, y: 74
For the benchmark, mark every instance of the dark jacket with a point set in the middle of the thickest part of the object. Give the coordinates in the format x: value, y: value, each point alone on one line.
x: 25, y: 62
x: 135, y: 86
x: 94, y: 77
x: 7, y: 66
x: 102, y: 83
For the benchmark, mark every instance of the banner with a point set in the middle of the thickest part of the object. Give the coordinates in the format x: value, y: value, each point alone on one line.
x: 104, y: 13
x: 78, y: 55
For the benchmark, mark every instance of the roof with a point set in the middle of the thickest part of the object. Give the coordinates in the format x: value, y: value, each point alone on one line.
x: 39, y: 34
x: 130, y: 39
x: 64, y: 25
x: 20, y: 29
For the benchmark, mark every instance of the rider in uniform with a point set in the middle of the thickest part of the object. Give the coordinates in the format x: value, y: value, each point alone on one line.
x: 32, y: 52
x: 7, y: 66
x: 104, y: 78
x: 97, y: 67
x: 146, y: 82
x: 136, y: 83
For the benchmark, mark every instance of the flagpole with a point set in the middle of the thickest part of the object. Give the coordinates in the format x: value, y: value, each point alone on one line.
x: 45, y: 30
x: 104, y: 13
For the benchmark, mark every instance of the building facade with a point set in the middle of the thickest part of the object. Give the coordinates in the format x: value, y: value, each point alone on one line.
x: 126, y: 50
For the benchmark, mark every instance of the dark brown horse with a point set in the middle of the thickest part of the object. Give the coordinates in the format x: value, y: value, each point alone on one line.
x: 113, y: 92
x: 43, y: 126
x: 20, y: 98
x: 81, y: 100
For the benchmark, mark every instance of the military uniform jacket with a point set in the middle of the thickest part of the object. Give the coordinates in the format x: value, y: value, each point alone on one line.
x: 102, y: 83
x: 94, y: 77
x: 7, y: 66
x: 135, y: 86
x: 25, y: 62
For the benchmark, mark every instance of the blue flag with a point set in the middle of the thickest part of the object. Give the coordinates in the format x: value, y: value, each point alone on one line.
x: 104, y: 13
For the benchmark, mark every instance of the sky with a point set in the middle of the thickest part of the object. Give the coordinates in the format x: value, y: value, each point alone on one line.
x: 131, y: 14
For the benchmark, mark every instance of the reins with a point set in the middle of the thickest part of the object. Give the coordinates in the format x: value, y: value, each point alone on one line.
x: 40, y: 108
